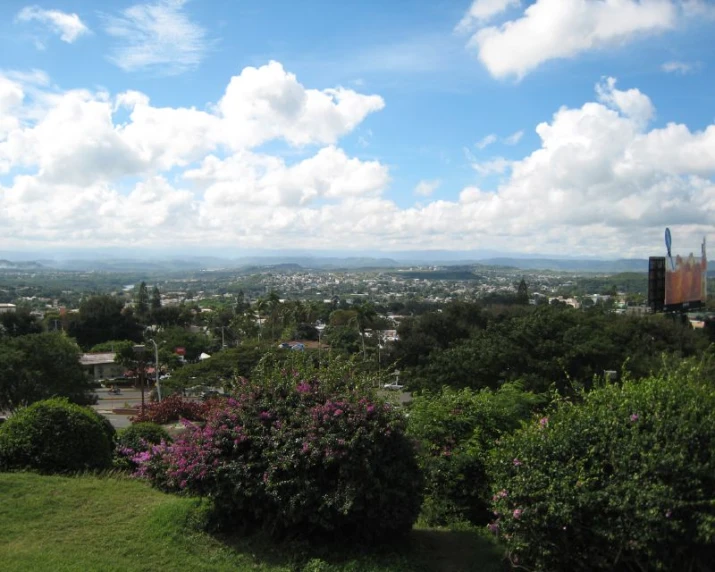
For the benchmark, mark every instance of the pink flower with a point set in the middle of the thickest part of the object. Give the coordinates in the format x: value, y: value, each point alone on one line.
x: 634, y: 417
x: 517, y: 513
x: 303, y: 387
x: 338, y: 412
x: 493, y: 527
x: 517, y: 462
x: 668, y: 513
x: 544, y: 421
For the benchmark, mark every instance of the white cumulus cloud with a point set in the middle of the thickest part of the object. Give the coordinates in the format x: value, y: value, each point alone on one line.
x: 601, y: 180
x: 556, y: 29
x: 68, y: 26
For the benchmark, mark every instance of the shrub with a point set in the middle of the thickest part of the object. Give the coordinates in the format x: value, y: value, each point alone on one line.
x: 623, y: 480
x: 299, y: 456
x: 135, y: 439
x: 139, y: 435
x: 108, y: 428
x: 54, y: 436
x: 456, y: 430
x: 173, y: 408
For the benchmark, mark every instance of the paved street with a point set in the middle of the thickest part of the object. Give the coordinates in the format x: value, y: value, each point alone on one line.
x: 108, y: 401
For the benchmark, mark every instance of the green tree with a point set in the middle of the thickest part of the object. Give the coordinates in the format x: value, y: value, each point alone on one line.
x: 141, y: 300
x: 273, y: 303
x: 41, y: 366
x: 364, y: 314
x: 19, y: 323
x: 103, y: 318
x: 522, y: 293
x: 155, y: 299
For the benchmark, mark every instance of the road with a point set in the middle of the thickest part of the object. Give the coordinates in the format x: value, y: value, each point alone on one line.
x: 127, y: 398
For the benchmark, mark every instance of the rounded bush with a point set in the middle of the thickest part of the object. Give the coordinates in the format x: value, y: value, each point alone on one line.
x: 299, y: 459
x: 136, y: 439
x: 172, y: 409
x: 622, y: 480
x: 139, y: 435
x: 456, y: 430
x: 54, y: 436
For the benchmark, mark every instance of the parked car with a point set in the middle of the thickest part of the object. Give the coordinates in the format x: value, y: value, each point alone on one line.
x: 393, y: 386
x: 298, y: 347
x: 284, y: 346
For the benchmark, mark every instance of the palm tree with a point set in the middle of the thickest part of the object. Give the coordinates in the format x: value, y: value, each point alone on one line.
x: 274, y: 301
x: 364, y: 314
x: 261, y: 307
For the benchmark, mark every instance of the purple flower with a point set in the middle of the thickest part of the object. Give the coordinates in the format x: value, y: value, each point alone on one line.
x: 634, y: 417
x: 493, y: 527
x: 303, y: 387
x: 517, y: 462
x: 517, y: 513
x: 544, y: 421
x: 264, y: 415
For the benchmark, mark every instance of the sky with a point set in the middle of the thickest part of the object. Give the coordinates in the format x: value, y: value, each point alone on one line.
x: 562, y: 127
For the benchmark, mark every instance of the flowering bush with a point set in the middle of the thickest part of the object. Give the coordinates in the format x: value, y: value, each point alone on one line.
x: 135, y: 439
x: 173, y: 408
x: 55, y: 436
x: 624, y: 480
x: 456, y: 430
x: 295, y: 457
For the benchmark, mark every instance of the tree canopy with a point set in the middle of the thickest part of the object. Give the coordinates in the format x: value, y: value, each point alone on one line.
x: 39, y: 366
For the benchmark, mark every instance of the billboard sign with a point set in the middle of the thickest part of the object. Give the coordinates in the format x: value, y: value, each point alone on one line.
x: 686, y: 283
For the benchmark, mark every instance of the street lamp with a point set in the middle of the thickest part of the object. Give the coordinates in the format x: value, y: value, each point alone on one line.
x: 139, y: 353
x: 320, y: 329
x: 156, y: 370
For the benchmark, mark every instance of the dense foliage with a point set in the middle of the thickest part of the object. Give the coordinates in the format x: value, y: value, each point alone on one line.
x: 623, y: 480
x: 101, y: 319
x: 135, y: 439
x: 55, y: 436
x: 299, y: 454
x: 544, y: 346
x: 456, y: 430
x: 40, y: 366
x: 219, y: 371
x: 171, y: 409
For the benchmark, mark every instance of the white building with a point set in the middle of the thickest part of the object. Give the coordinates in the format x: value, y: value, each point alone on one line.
x: 7, y: 308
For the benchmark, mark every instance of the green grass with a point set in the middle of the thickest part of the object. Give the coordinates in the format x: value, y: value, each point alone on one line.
x: 113, y: 523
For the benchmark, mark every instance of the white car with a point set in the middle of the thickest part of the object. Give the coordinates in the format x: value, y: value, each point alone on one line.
x: 393, y: 386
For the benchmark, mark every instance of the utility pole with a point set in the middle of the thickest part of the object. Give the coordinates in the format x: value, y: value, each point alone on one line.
x: 139, y: 353
x: 156, y: 370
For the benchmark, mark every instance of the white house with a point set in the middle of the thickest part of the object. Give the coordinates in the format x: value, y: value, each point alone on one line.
x: 101, y: 366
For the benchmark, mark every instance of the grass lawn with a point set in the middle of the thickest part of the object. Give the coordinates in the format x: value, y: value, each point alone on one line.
x: 112, y: 523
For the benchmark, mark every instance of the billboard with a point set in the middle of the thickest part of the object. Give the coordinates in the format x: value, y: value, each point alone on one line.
x: 686, y: 282
x: 656, y: 283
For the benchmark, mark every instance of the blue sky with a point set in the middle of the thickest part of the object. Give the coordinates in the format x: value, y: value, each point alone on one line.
x: 552, y: 126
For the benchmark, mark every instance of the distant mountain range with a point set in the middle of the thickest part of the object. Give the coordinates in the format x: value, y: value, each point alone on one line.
x: 287, y: 263
x: 572, y: 265
x: 20, y: 265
